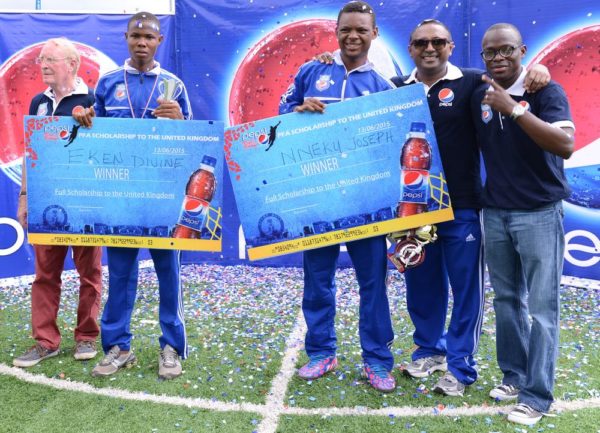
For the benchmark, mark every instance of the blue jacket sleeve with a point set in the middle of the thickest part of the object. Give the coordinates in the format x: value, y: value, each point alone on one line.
x: 293, y: 96
x: 99, y: 93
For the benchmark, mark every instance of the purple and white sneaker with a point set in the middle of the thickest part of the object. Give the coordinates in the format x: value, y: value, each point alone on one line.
x: 379, y: 377
x: 318, y: 366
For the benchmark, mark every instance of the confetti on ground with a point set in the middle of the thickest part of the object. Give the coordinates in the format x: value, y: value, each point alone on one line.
x: 239, y: 317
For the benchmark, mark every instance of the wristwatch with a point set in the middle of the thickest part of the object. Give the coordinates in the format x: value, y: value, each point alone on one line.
x: 517, y: 111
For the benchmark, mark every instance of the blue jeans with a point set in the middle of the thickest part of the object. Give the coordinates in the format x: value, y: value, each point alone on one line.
x: 524, y: 250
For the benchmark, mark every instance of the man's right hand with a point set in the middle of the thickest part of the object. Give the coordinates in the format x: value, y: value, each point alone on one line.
x: 325, y: 57
x: 22, y: 211
x: 84, y: 116
x: 310, y: 104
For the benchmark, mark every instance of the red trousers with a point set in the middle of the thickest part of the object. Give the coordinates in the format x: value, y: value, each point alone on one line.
x: 46, y: 288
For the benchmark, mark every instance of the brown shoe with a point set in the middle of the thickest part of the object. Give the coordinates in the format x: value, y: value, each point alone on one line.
x: 169, y: 366
x: 34, y: 355
x: 84, y: 350
x: 113, y: 361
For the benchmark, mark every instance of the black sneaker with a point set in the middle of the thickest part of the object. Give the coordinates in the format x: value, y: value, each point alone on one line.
x: 504, y: 392
x: 524, y: 414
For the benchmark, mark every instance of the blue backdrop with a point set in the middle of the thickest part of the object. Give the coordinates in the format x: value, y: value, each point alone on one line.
x: 236, y: 56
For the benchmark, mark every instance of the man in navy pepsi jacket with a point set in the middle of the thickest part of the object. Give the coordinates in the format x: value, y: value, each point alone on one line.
x: 524, y: 140
x: 351, y: 75
x: 59, y: 62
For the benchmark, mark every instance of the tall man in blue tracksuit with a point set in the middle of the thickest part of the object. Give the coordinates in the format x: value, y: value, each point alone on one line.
x: 135, y: 91
x: 351, y: 75
x: 457, y: 256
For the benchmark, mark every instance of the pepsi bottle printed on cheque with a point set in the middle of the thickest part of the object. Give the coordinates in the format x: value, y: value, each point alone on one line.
x: 199, y: 191
x: 415, y: 163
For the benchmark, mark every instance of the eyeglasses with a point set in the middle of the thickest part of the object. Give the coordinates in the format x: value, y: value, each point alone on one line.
x: 504, y: 51
x: 437, y: 43
x: 48, y: 60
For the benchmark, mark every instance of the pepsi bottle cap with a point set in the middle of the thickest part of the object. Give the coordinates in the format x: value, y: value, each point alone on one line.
x: 418, y: 127
x: 209, y: 160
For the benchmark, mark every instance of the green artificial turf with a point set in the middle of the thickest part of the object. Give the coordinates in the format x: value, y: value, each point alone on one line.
x: 238, y: 321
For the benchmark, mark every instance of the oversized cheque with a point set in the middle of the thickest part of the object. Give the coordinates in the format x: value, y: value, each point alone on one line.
x: 124, y: 182
x: 306, y: 180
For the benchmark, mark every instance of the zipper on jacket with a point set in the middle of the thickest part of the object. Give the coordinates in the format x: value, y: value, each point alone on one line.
x: 343, y: 95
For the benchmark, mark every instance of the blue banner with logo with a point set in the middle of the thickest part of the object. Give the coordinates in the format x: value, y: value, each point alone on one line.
x: 125, y: 182
x: 237, y: 58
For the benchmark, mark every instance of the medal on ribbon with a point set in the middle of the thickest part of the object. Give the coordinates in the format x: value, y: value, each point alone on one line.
x: 410, y: 246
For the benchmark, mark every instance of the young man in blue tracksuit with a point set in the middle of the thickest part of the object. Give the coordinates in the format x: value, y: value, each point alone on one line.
x: 351, y: 75
x: 135, y: 91
x: 457, y: 256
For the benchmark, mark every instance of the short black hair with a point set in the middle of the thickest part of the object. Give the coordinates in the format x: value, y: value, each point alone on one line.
x: 142, y: 17
x: 357, y: 6
x: 506, y: 26
x: 429, y: 21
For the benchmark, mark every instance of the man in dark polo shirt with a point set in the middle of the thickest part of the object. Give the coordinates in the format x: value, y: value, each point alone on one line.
x: 456, y: 259
x: 59, y: 61
x: 524, y: 139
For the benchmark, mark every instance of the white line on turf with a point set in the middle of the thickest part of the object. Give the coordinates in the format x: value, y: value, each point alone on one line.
x: 276, y: 396
x: 557, y: 406
x: 67, y: 385
x: 264, y: 410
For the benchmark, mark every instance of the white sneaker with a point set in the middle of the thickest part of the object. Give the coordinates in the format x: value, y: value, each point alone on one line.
x: 113, y: 361
x: 449, y: 385
x: 423, y: 367
x: 169, y: 366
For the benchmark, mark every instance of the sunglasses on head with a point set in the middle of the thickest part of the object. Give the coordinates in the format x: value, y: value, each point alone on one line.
x: 436, y: 43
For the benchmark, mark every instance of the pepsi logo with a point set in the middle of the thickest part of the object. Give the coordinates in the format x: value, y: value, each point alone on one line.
x: 486, y: 113
x: 263, y: 138
x: 194, y: 207
x: 413, y: 179
x: 42, y: 109
x: 63, y: 134
x: 446, y: 95
x: 524, y: 104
